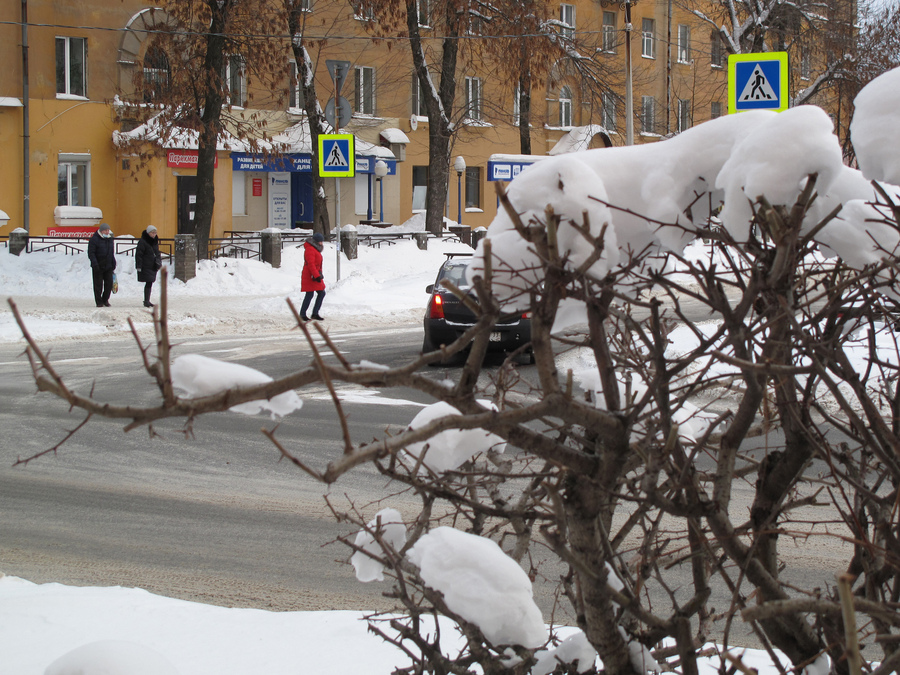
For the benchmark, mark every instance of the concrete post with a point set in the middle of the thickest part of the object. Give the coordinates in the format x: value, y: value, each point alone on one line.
x: 421, y: 240
x: 464, y: 232
x: 185, y: 257
x: 18, y: 240
x: 477, y: 235
x: 270, y: 247
x: 350, y: 242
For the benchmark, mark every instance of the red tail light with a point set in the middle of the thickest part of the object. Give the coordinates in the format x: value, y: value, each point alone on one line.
x: 437, y: 307
x: 526, y: 315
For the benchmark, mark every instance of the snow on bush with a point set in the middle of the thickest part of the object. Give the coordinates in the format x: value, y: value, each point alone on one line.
x: 574, y: 650
x: 388, y: 525
x: 111, y: 657
x: 199, y: 376
x: 481, y: 584
x: 448, y: 449
x: 874, y: 128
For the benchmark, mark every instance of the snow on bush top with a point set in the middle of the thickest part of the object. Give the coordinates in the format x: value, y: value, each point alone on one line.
x: 874, y: 128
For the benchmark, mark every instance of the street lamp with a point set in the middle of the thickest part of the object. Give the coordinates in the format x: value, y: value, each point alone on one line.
x: 381, y: 170
x: 460, y: 166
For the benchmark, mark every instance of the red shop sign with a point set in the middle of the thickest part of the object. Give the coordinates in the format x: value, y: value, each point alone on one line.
x: 257, y: 187
x: 184, y: 159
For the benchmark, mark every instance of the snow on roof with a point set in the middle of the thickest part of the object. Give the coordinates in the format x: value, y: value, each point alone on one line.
x: 366, y: 149
x: 578, y: 139
x: 297, y: 139
x: 177, y: 138
x: 394, y: 135
x: 517, y: 159
x: 10, y: 102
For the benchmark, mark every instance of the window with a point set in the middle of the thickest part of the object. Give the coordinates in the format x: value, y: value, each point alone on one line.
x: 424, y: 9
x: 565, y: 107
x: 306, y: 5
x: 473, y: 98
x: 364, y: 95
x: 716, y: 50
x: 609, y: 32
x: 239, y: 193
x: 74, y: 180
x: 363, y: 10
x: 567, y: 18
x: 295, y: 92
x: 805, y: 66
x: 71, y: 66
x: 419, y: 187
x: 648, y: 38
x: 155, y: 73
x: 418, y: 100
x: 648, y: 115
x: 236, y: 78
x: 684, y: 43
x: 608, y: 111
x: 715, y: 110
x: 684, y: 114
x: 473, y: 187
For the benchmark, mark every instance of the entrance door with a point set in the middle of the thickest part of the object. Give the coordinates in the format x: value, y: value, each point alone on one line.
x: 187, y: 204
x: 301, y: 200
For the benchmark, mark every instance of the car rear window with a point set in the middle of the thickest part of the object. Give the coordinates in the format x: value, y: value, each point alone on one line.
x: 455, y: 272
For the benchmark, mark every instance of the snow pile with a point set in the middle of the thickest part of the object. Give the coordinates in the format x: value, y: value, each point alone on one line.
x: 574, y: 650
x: 874, y: 128
x: 387, y: 525
x: 448, y: 449
x: 200, y: 376
x: 112, y: 657
x: 481, y: 584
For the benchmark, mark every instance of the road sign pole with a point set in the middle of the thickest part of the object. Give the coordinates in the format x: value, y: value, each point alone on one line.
x: 337, y: 217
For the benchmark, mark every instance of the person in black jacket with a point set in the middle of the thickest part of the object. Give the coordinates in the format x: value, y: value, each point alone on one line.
x: 102, y: 254
x: 147, y: 260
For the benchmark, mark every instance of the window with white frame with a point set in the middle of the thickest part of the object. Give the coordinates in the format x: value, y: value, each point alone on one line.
x: 609, y: 32
x: 608, y: 111
x: 648, y: 115
x: 306, y: 5
x: 71, y: 66
x: 684, y: 43
x: 805, y: 64
x: 423, y: 8
x: 648, y: 38
x: 715, y: 110
x: 364, y: 94
x: 295, y: 91
x: 236, y: 77
x: 716, y: 50
x: 473, y: 187
x: 565, y: 107
x: 684, y: 114
x: 567, y: 18
x: 473, y: 98
x: 74, y: 180
x: 363, y: 10
x: 419, y: 187
x: 418, y: 100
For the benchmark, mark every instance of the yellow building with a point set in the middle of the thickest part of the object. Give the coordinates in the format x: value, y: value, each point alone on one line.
x: 83, y: 57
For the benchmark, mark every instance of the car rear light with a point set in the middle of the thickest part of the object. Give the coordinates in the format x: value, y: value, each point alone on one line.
x: 526, y: 315
x: 437, y: 307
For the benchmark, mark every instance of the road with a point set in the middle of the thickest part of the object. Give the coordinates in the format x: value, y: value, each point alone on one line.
x: 212, y: 515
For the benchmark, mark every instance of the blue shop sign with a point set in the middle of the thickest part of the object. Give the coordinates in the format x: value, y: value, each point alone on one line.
x: 366, y: 164
x: 243, y: 161
x: 506, y: 170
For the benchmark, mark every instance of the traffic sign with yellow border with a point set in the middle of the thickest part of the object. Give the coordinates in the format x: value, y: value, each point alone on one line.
x: 337, y: 156
x: 758, y: 82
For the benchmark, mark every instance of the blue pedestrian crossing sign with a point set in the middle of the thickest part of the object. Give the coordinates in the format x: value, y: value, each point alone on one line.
x: 758, y: 81
x: 337, y: 155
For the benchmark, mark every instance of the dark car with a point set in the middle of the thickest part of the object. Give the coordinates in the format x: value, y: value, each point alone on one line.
x: 446, y: 317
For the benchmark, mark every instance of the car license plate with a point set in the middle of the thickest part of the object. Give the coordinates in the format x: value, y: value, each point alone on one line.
x: 496, y: 337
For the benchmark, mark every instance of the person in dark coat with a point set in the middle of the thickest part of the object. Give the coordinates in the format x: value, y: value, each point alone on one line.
x: 312, y: 280
x: 147, y: 260
x: 102, y: 254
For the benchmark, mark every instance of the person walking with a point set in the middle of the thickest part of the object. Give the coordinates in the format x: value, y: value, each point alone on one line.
x: 312, y: 281
x: 102, y: 254
x: 147, y: 260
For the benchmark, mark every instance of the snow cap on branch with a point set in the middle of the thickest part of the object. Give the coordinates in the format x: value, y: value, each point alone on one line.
x: 388, y: 525
x: 448, y: 449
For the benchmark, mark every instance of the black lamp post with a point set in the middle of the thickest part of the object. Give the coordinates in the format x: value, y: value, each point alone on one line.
x: 460, y: 166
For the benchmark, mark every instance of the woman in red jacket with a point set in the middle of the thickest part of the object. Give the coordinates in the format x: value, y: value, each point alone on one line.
x: 311, y: 279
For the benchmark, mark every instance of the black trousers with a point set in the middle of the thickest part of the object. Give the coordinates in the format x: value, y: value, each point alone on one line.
x: 320, y: 296
x: 148, y: 286
x: 102, y: 285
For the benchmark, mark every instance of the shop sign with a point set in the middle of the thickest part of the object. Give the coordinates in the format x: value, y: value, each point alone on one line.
x: 184, y: 159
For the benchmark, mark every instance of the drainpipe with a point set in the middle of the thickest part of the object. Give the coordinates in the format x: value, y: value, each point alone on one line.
x: 26, y: 134
x: 668, y: 65
x: 629, y: 93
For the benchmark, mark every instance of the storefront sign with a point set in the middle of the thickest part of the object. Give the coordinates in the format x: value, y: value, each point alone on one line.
x: 280, y: 200
x: 83, y: 231
x: 242, y: 161
x: 257, y: 187
x: 184, y: 159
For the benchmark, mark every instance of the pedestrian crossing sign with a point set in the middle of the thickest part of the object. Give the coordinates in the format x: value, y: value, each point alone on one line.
x: 337, y: 158
x: 758, y: 82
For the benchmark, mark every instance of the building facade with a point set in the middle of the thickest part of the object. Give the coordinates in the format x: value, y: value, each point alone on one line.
x: 64, y: 171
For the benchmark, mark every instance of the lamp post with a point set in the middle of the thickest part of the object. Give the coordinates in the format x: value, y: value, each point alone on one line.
x: 381, y: 170
x: 460, y: 166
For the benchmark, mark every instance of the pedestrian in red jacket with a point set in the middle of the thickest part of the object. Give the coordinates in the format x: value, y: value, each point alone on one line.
x: 312, y: 280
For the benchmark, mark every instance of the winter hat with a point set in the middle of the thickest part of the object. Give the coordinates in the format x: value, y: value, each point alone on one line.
x: 318, y: 237
x: 151, y: 228
x: 103, y: 226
